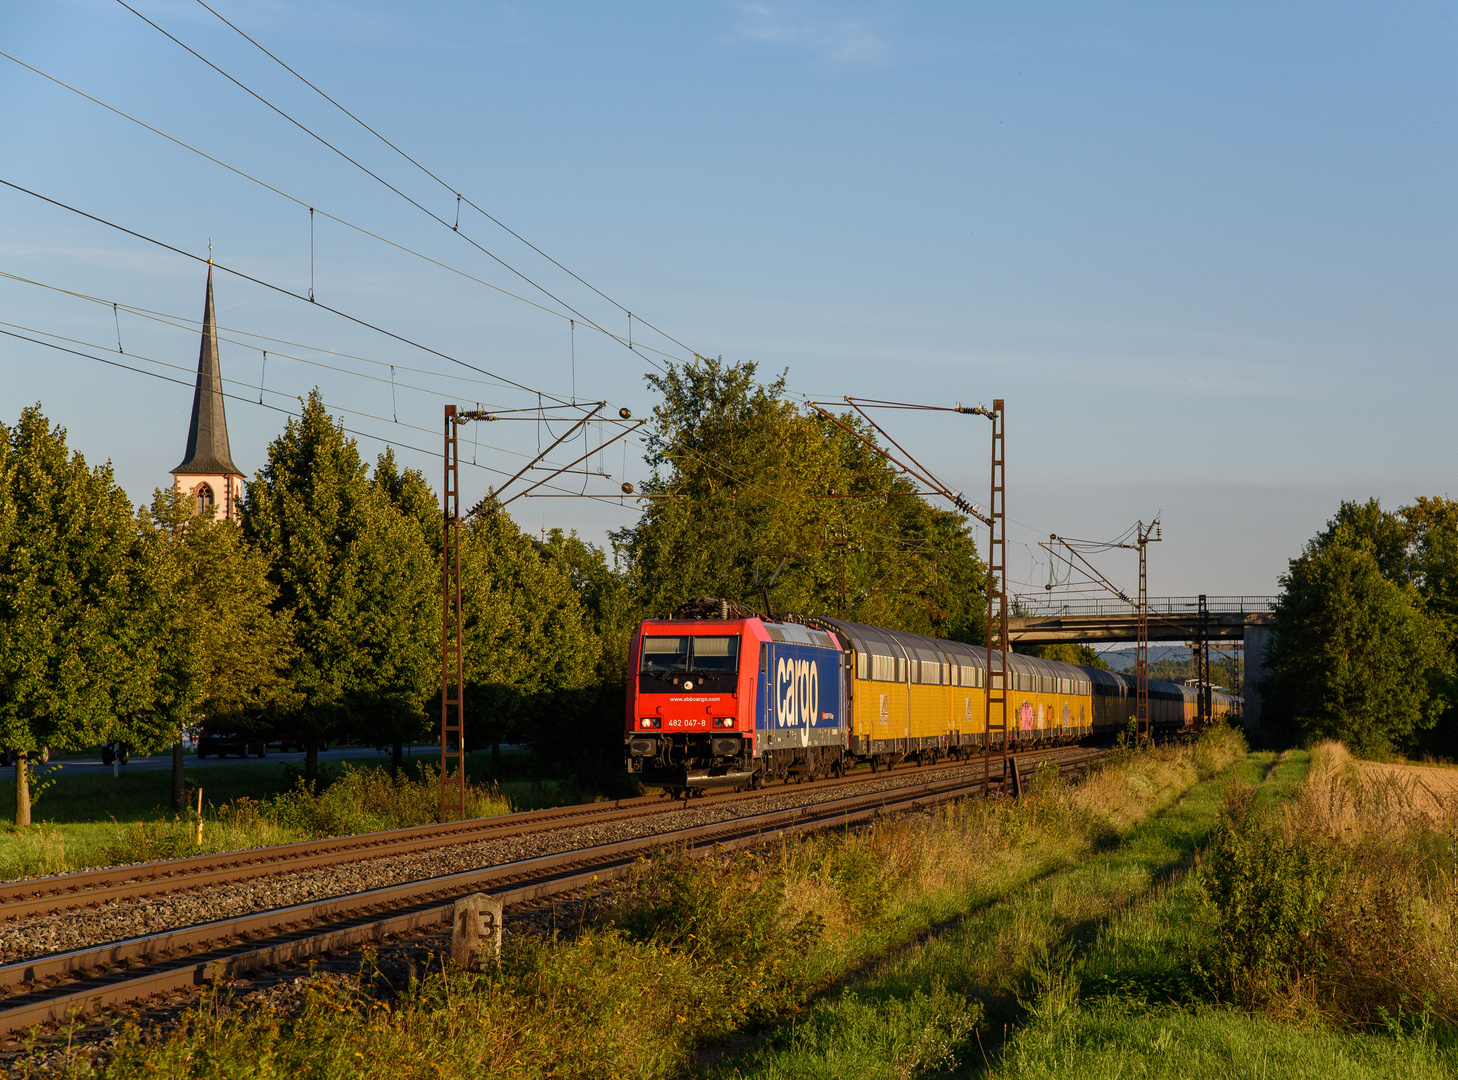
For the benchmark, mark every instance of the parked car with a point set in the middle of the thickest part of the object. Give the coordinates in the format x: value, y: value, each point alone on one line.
x: 119, y: 752
x: 224, y: 743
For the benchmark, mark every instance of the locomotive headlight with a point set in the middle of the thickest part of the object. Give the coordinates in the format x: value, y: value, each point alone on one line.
x: 649, y: 722
x: 724, y: 721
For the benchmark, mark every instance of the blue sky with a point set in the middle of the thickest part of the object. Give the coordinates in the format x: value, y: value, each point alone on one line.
x: 1204, y: 251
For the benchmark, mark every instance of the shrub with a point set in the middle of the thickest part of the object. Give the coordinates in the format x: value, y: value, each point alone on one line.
x: 1346, y: 903
x: 352, y: 800
x: 1263, y: 895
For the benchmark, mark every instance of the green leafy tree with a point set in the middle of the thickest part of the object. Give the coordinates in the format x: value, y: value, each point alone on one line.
x: 1432, y: 524
x: 1354, y: 652
x: 587, y: 720
x: 356, y: 573
x: 527, y: 634
x: 742, y: 479
x: 228, y: 658
x: 82, y: 608
x: 1067, y: 653
x: 403, y: 563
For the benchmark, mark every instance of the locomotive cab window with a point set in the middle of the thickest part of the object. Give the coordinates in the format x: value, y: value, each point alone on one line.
x: 665, y: 654
x: 662, y: 655
x: 715, y: 654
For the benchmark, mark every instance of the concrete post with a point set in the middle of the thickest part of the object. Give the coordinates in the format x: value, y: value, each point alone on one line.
x: 475, y: 929
x: 1257, y: 641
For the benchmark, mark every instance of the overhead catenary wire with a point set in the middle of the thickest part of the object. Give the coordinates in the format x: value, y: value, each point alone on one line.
x: 237, y: 382
x: 373, y: 175
x: 169, y: 318
x: 405, y: 248
x: 442, y: 183
x: 608, y: 500
x: 501, y: 379
x: 186, y: 323
x: 276, y: 393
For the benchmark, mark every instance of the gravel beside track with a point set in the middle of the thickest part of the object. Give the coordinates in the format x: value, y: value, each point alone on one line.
x: 117, y: 920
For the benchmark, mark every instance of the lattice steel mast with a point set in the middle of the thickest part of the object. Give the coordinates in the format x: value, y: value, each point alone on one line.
x: 996, y: 690
x: 1146, y: 535
x: 452, y: 658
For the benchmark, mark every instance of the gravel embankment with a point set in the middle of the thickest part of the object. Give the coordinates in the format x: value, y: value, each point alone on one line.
x: 121, y: 919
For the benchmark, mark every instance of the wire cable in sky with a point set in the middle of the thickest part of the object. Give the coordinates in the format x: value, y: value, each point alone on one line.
x: 183, y: 323
x: 189, y: 383
x: 313, y: 209
x: 501, y: 379
x: 375, y: 176
x: 459, y: 197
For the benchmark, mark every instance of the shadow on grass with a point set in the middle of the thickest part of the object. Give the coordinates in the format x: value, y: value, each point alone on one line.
x: 1021, y: 971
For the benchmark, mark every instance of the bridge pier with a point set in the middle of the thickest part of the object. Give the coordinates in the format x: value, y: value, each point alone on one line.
x: 1257, y: 641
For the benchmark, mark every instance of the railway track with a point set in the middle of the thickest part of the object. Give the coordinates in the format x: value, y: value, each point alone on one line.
x: 89, y: 888
x: 49, y: 988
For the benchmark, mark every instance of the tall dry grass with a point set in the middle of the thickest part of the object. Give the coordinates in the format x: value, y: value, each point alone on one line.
x: 1343, y: 903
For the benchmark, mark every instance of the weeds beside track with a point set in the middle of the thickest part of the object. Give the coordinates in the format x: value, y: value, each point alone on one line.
x: 694, y: 950
x: 47, y: 988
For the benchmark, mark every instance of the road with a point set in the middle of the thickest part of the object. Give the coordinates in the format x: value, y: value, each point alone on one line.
x: 91, y: 766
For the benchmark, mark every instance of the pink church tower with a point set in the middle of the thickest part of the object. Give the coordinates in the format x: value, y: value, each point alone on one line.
x: 207, y: 471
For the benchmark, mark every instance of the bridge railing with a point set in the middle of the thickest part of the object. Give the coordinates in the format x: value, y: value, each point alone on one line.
x: 1034, y: 606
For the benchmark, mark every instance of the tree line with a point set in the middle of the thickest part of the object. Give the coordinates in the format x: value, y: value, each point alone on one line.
x: 1365, y: 643
x: 318, y: 612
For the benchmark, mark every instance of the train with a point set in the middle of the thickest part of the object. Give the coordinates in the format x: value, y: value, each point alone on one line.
x: 721, y: 696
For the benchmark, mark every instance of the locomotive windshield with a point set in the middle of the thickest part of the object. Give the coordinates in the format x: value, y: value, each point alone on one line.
x: 715, y: 654
x: 666, y: 654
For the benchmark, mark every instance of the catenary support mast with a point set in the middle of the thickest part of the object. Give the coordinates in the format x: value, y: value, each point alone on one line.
x: 995, y: 697
x: 452, y: 656
x: 452, y: 662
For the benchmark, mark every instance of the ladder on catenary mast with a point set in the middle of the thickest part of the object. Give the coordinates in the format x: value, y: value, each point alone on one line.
x: 997, y: 680
x: 452, y: 712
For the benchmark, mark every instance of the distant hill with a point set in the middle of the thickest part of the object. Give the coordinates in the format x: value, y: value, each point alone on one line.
x: 1123, y: 659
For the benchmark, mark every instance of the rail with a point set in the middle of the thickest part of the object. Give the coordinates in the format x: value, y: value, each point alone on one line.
x: 90, y: 888
x: 49, y: 988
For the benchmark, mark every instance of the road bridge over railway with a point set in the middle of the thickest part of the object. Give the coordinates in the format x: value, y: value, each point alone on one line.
x: 1036, y: 621
x: 1247, y: 619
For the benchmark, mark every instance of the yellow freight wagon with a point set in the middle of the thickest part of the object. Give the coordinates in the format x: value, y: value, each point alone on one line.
x: 920, y: 696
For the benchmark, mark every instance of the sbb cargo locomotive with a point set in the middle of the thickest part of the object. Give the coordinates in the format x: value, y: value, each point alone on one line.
x: 724, y: 697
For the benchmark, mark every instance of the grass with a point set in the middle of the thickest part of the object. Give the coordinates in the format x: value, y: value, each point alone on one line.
x: 823, y: 930
x: 1138, y: 1007
x: 89, y: 820
x: 1069, y: 934
x: 1119, y: 1042
x: 1011, y: 960
x: 1092, y: 971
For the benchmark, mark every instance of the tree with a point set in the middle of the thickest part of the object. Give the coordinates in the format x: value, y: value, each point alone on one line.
x: 1067, y: 653
x: 526, y: 632
x: 742, y: 480
x: 1354, y: 651
x: 83, y: 605
x: 1368, y: 525
x: 403, y: 565
x: 227, y: 660
x: 1432, y: 524
x: 589, y: 718
x: 357, y: 575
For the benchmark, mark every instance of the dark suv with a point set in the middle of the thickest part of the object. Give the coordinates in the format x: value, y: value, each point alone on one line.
x: 224, y: 743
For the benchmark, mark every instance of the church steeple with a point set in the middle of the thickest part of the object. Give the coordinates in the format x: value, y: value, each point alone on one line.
x: 207, y: 436
x: 208, y: 464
